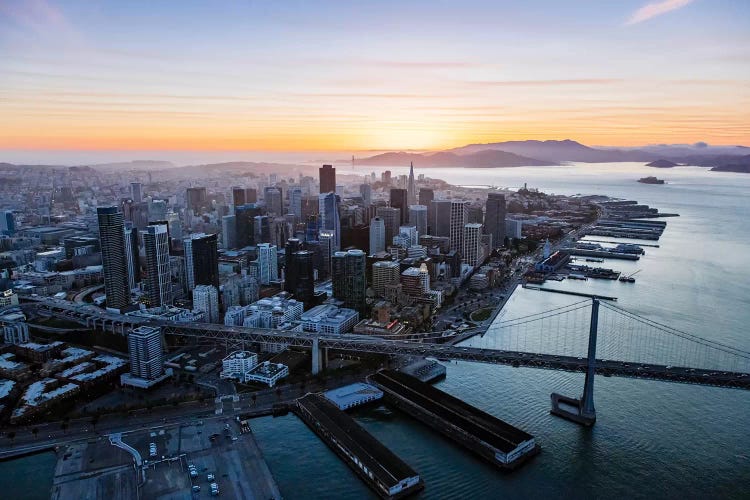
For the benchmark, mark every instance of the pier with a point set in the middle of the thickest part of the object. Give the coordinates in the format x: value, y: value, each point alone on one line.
x: 385, y: 473
x: 601, y: 253
x: 496, y: 441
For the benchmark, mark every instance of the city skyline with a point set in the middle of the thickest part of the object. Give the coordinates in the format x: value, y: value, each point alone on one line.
x: 412, y: 76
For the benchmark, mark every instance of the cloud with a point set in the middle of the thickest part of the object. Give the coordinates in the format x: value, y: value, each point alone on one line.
x: 654, y: 9
x: 545, y: 83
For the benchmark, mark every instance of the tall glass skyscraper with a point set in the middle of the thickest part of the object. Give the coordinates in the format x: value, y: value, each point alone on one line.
x: 114, y: 260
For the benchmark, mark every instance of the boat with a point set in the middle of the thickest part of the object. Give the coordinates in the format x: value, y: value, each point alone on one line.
x: 593, y: 259
x: 650, y: 180
x: 629, y: 278
x: 574, y: 276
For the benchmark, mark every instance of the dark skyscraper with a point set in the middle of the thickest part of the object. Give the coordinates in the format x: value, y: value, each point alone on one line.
x: 327, y: 179
x: 245, y: 223
x: 261, y: 229
x: 399, y: 199
x: 348, y: 272
x: 202, y: 260
x: 440, y: 214
x: 365, y: 190
x: 114, y: 261
x: 494, y: 219
x: 299, y: 272
x: 426, y: 195
x: 391, y: 220
x: 238, y: 196
x: 196, y: 198
x: 274, y: 201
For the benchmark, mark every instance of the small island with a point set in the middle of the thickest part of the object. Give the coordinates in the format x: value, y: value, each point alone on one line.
x: 651, y: 180
x: 662, y: 164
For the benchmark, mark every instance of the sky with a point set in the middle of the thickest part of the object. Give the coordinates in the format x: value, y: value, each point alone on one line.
x: 354, y: 76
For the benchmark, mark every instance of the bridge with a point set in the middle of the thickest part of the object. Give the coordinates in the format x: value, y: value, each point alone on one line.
x: 589, y: 336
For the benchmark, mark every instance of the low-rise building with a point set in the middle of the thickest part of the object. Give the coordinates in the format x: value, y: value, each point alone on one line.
x: 267, y: 373
x: 329, y: 319
x: 237, y: 364
x: 40, y: 396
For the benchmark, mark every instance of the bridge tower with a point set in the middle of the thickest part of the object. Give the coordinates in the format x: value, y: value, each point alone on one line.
x: 582, y: 411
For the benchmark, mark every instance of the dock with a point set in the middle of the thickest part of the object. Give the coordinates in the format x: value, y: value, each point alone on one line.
x: 600, y: 253
x: 498, y: 442
x: 385, y: 473
x: 568, y: 292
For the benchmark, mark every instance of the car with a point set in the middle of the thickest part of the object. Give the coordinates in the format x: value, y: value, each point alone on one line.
x: 196, y: 488
x: 210, y: 477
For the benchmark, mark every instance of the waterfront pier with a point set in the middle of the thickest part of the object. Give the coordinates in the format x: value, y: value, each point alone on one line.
x: 498, y: 442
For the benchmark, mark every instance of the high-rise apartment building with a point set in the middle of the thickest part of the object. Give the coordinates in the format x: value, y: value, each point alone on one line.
x: 114, y: 260
x: 268, y: 266
x: 349, y: 280
x: 458, y: 219
x: 131, y: 255
x: 146, y: 353
x: 158, y: 278
x: 206, y: 300
x: 473, y: 251
x: 494, y: 218
x: 327, y: 179
x: 329, y: 216
x: 384, y: 274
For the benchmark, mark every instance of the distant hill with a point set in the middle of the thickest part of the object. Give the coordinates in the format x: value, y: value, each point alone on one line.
x: 557, y: 151
x: 482, y: 159
x: 135, y: 165
x: 741, y: 164
x: 662, y: 164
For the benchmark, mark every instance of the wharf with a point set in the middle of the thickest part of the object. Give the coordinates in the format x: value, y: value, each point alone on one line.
x: 600, y: 253
x: 633, y: 234
x: 614, y: 243
x: 426, y: 370
x: 568, y: 292
x: 384, y: 472
x: 498, y: 442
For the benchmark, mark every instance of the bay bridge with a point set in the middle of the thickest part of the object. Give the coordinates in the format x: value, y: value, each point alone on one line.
x: 589, y: 336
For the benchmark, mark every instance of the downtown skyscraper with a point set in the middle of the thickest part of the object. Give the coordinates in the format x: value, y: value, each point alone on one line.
x: 327, y: 179
x: 494, y: 218
x: 158, y: 277
x: 114, y: 260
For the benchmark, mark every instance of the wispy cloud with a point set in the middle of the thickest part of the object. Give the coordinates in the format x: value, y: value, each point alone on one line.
x: 545, y: 83
x: 654, y: 9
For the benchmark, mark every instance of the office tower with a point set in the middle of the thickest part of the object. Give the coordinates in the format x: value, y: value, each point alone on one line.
x: 440, y: 211
x: 365, y: 190
x: 385, y: 177
x: 340, y: 190
x: 146, y: 352
x: 384, y: 274
x: 391, y: 219
x: 494, y: 220
x: 292, y: 245
x: 311, y: 229
x: 426, y: 195
x: 416, y: 252
x: 399, y: 200
x: 238, y: 196
x: 268, y: 266
x: 327, y: 179
x: 329, y: 216
x: 458, y: 219
x: 411, y: 187
x: 196, y: 199
x: 261, y: 229
x: 406, y: 237
x: 301, y: 276
x: 138, y: 213
x: 7, y: 223
x: 349, y: 279
x: 424, y: 277
x: 114, y: 261
x: 377, y: 235
x: 229, y: 231
x: 206, y: 300
x: 201, y: 260
x: 158, y: 280
x: 274, y: 201
x: 327, y: 248
x: 245, y: 220
x: 251, y: 195
x: 131, y: 256
x: 136, y: 192
x: 295, y: 203
x: 418, y: 218
x: 157, y: 210
x: 472, y: 250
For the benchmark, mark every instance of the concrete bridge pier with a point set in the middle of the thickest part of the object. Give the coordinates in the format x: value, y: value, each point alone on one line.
x: 582, y: 411
x: 319, y: 357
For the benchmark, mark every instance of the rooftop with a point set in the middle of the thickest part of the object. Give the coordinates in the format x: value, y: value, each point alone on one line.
x: 353, y: 394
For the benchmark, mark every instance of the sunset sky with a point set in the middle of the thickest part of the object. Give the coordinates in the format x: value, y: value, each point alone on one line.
x: 355, y: 75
